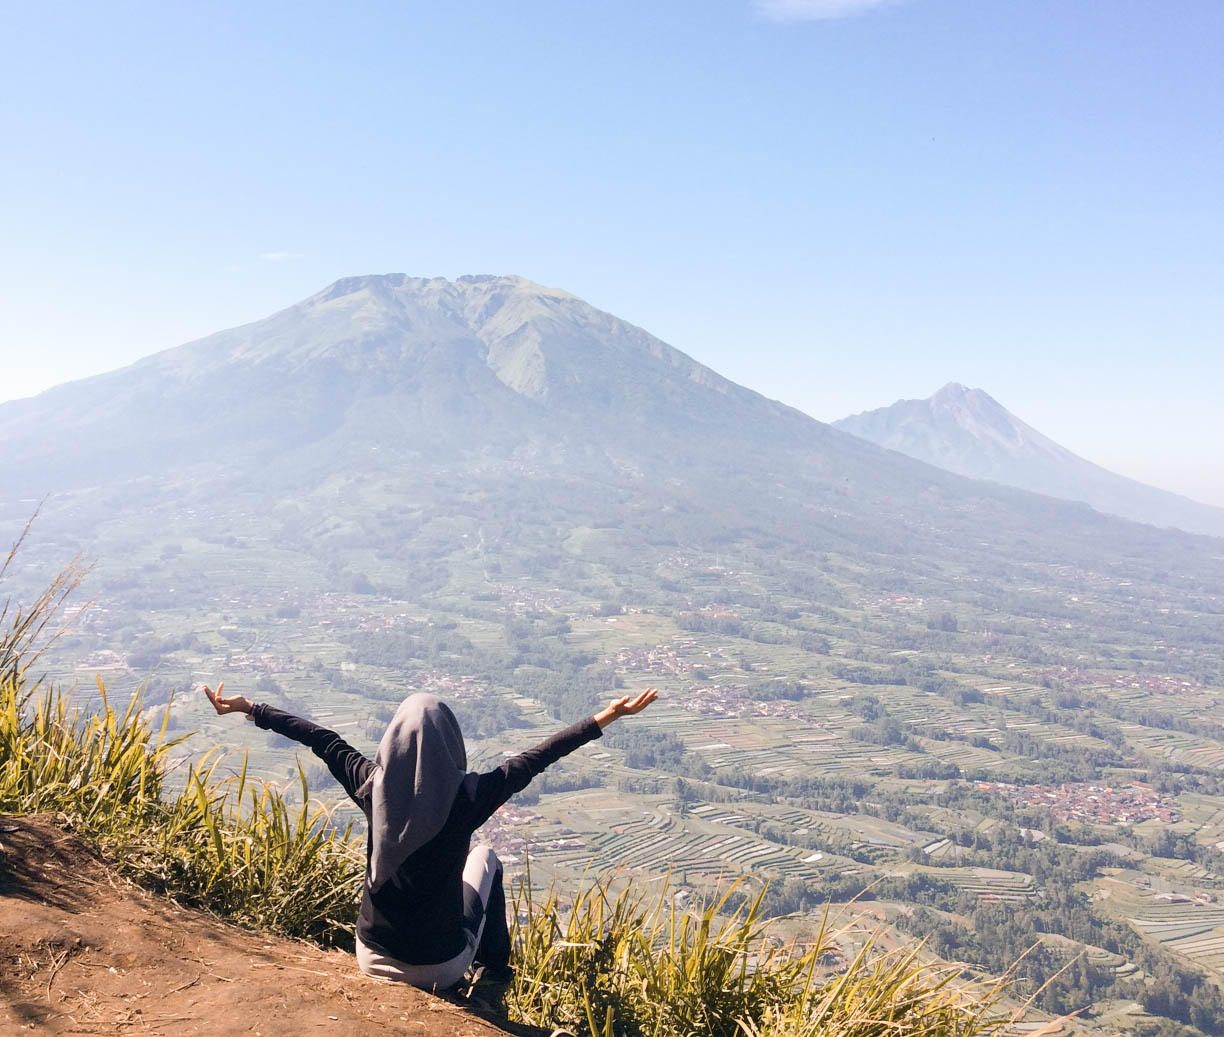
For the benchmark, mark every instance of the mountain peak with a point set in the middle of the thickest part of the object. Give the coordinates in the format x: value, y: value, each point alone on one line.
x: 951, y: 391
x: 955, y: 395
x: 967, y: 431
x: 466, y: 284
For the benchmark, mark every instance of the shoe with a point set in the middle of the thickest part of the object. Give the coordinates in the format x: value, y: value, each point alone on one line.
x: 492, y: 974
x: 486, y: 988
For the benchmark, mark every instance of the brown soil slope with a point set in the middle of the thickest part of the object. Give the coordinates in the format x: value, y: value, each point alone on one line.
x: 85, y: 952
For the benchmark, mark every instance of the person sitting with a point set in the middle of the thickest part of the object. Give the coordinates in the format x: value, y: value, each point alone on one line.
x: 432, y: 906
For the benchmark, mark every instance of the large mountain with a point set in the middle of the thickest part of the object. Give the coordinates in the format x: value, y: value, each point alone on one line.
x: 489, y: 365
x: 391, y: 426
x: 968, y: 432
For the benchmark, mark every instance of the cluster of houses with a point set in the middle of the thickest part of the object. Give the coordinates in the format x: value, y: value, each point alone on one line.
x: 713, y: 701
x: 510, y: 833
x: 692, y: 564
x: 889, y: 602
x: 661, y: 660
x: 1102, y: 804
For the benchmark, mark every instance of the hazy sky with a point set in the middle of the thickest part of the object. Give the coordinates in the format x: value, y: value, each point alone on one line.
x: 838, y: 203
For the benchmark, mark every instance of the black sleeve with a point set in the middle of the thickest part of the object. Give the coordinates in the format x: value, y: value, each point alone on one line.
x: 496, y: 786
x: 347, y: 765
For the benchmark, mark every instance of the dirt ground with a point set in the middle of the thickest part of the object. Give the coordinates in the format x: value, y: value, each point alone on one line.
x: 85, y: 952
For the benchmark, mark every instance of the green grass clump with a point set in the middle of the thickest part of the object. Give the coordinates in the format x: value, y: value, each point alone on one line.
x: 226, y: 844
x: 624, y: 966
x: 100, y: 770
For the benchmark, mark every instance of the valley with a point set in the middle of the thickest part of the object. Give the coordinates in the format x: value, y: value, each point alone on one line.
x: 943, y: 759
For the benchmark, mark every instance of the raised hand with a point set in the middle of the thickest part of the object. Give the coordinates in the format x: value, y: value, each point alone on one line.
x: 233, y: 704
x: 626, y: 706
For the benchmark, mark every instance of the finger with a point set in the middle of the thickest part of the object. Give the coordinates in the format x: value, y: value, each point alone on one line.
x: 220, y: 688
x: 645, y: 699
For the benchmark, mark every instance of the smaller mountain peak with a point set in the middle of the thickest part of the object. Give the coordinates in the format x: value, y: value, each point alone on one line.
x: 955, y: 396
x: 951, y: 391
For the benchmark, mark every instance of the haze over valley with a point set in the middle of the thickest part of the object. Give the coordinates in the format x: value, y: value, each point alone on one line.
x: 1001, y: 711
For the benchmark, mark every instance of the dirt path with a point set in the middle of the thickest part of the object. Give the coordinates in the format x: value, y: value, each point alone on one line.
x: 84, y: 952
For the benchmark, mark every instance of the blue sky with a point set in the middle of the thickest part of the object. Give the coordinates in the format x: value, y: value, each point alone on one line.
x: 838, y: 203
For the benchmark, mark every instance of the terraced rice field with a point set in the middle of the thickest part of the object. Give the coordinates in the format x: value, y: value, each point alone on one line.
x: 659, y: 842
x: 1206, y: 950
x: 1192, y: 930
x: 772, y: 747
x: 989, y: 883
x: 1175, y: 745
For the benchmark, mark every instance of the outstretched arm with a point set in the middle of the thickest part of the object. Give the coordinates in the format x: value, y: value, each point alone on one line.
x: 347, y: 765
x: 496, y: 786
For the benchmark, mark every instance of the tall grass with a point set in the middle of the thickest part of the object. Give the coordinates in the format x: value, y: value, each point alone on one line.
x: 611, y: 965
x: 238, y: 848
x: 100, y: 769
x: 622, y: 965
x: 23, y: 628
x: 226, y: 843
